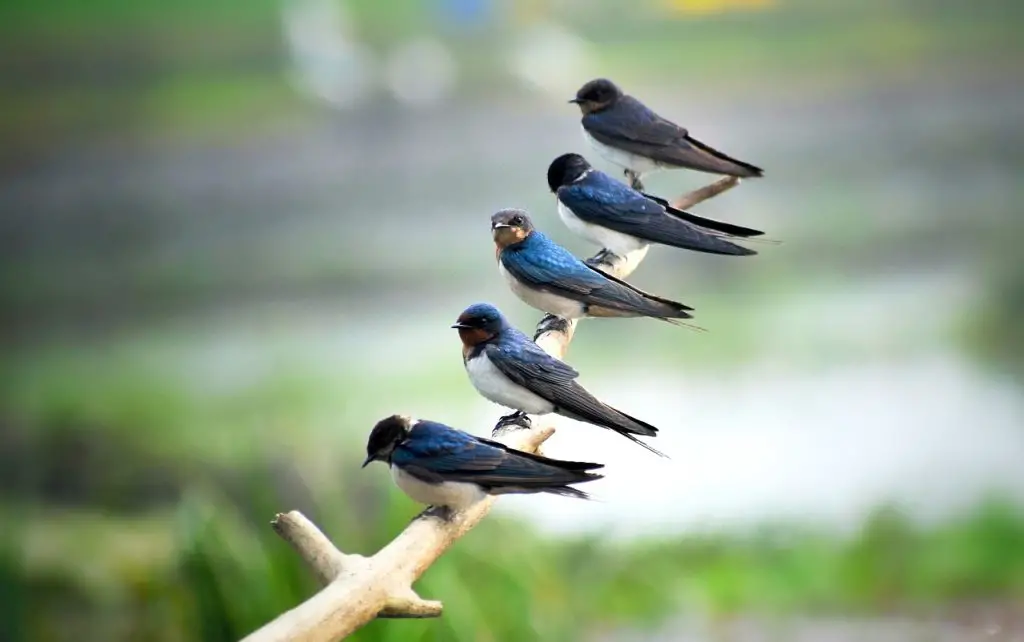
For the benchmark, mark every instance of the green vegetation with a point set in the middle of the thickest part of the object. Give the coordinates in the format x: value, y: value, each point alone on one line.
x: 142, y: 506
x: 213, y: 570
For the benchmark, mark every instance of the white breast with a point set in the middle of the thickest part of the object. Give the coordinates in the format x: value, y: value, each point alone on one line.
x: 619, y: 243
x: 543, y: 301
x: 495, y: 386
x: 454, y: 494
x: 623, y: 159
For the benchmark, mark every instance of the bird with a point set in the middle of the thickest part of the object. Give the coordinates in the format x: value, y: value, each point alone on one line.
x: 617, y: 217
x: 548, y: 277
x: 437, y: 465
x: 627, y: 133
x: 507, y: 367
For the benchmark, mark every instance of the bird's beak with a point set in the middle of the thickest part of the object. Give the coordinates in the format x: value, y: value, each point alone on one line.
x: 575, y: 101
x: 461, y: 326
x: 498, y: 226
x: 368, y: 460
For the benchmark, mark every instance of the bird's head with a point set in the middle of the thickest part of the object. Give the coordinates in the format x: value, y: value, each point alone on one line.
x: 596, y: 95
x: 566, y: 170
x: 510, y: 226
x: 479, y: 323
x: 385, y: 436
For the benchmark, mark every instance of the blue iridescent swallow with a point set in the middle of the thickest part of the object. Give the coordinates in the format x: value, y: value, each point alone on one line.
x: 625, y: 132
x: 548, y: 277
x: 615, y: 216
x: 508, y: 368
x: 441, y: 466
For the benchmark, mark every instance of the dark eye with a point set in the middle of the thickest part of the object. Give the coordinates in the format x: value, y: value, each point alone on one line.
x: 516, y: 220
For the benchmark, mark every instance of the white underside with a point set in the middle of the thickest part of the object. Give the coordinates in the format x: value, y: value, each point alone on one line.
x: 496, y: 387
x: 454, y: 494
x: 625, y: 160
x: 543, y: 301
x: 619, y: 243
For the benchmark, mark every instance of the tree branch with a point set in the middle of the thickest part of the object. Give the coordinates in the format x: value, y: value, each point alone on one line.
x: 358, y: 589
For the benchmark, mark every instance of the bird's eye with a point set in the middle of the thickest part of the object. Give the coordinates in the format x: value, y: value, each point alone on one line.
x: 517, y: 220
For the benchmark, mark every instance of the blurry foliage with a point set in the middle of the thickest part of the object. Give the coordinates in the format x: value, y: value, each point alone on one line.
x: 228, y: 574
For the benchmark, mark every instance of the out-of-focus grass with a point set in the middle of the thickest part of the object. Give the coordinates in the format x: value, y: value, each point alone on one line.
x: 221, y: 573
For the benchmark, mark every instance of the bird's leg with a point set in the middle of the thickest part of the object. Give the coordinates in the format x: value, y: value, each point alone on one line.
x: 518, y: 420
x: 551, y: 323
x: 443, y: 513
x: 634, y: 180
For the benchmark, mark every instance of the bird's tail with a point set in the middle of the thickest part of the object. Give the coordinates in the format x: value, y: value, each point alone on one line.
x: 567, y: 491
x: 644, y: 304
x: 707, y: 223
x: 708, y: 159
x: 607, y: 417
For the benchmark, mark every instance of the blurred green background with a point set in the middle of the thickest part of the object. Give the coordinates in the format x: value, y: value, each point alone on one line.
x: 234, y: 235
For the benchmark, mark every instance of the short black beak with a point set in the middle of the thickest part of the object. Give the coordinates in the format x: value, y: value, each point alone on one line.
x: 369, y: 459
x: 462, y: 326
x: 575, y: 101
x: 498, y: 226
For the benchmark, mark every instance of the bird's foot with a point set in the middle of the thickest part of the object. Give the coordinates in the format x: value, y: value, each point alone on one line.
x: 551, y: 323
x: 518, y: 420
x: 634, y: 180
x: 603, y: 259
x: 443, y: 513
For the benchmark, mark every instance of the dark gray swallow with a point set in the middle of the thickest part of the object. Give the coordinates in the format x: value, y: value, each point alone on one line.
x: 548, y: 277
x: 441, y: 466
x: 508, y: 368
x: 613, y: 215
x: 625, y: 132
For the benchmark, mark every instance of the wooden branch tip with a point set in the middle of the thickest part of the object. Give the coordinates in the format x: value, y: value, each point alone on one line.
x: 359, y: 589
x: 323, y: 558
x: 410, y: 605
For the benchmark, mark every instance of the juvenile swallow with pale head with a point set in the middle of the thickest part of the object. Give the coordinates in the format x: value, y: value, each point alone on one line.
x: 615, y: 216
x: 548, y: 277
x: 441, y: 466
x: 627, y: 133
x: 507, y: 367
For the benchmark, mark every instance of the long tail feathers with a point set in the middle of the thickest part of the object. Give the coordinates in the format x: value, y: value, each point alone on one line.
x: 707, y: 223
x: 723, y: 163
x: 567, y: 491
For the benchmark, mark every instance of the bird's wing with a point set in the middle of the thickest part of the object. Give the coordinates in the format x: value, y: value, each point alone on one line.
x: 455, y: 456
x: 545, y: 265
x: 632, y: 126
x: 631, y: 123
x: 707, y: 223
x: 602, y: 200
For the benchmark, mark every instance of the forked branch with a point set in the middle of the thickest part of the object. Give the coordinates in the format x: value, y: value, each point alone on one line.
x: 358, y: 589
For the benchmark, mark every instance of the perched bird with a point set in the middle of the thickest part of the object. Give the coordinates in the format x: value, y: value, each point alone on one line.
x: 548, y: 277
x: 612, y: 214
x: 440, y: 466
x: 508, y: 368
x: 625, y: 132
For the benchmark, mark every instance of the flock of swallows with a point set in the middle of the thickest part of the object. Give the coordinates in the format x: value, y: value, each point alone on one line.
x: 450, y: 469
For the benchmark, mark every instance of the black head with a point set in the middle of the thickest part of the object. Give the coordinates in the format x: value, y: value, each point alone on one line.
x: 565, y: 170
x: 510, y: 226
x: 478, y: 323
x: 388, y: 433
x: 596, y: 95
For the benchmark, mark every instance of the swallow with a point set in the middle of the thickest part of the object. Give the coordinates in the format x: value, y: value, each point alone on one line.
x: 627, y: 133
x: 612, y: 214
x: 441, y: 466
x: 548, y: 277
x: 507, y: 367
